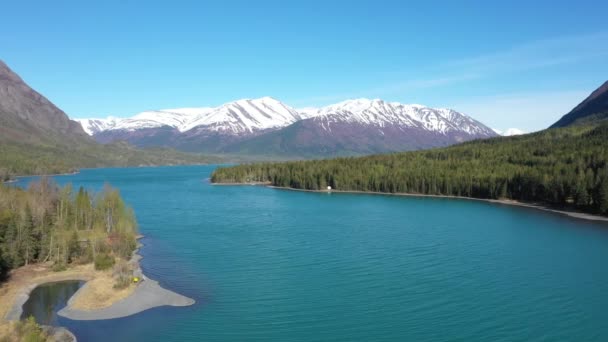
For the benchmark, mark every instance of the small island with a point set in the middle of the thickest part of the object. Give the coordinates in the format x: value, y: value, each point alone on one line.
x: 51, y: 234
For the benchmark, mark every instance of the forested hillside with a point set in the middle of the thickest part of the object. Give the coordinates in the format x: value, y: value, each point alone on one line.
x: 63, y: 226
x: 563, y: 167
x: 25, y: 159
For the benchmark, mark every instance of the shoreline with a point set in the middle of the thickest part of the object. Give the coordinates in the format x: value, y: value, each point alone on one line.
x: 146, y: 295
x: 16, y: 178
x: 14, y: 314
x: 267, y: 184
x: 48, y: 175
x: 538, y: 206
x: 109, y: 167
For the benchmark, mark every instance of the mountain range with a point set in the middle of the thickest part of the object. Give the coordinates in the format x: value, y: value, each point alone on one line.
x: 268, y: 127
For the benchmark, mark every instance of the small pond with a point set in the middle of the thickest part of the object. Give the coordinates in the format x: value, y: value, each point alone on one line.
x: 46, y: 299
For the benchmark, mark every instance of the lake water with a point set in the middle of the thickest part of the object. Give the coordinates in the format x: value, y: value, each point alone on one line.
x: 273, y: 265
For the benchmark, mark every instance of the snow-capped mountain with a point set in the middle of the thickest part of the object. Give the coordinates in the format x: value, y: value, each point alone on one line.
x: 238, y: 117
x: 510, y: 131
x: 94, y: 126
x: 246, y: 116
x: 364, y: 126
x: 268, y: 126
x: 513, y: 131
x: 380, y: 113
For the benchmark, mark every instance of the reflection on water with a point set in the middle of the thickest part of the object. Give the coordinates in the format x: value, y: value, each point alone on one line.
x: 46, y: 299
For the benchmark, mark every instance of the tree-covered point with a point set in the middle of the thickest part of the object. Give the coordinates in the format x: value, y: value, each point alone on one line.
x: 563, y: 167
x: 46, y: 223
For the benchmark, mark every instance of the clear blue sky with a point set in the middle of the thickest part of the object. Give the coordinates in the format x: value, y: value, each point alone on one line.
x: 510, y: 64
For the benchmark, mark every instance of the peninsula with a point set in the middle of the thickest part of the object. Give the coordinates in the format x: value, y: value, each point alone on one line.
x: 50, y: 234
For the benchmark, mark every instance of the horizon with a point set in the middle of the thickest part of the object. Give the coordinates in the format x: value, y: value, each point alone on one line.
x: 496, y: 63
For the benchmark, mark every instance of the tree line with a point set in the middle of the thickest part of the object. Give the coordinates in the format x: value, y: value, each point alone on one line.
x: 47, y: 223
x: 563, y: 167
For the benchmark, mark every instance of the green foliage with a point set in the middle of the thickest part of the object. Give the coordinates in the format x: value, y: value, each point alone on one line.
x: 104, y: 262
x: 48, y: 223
x: 29, y: 331
x: 560, y: 167
x: 3, y: 266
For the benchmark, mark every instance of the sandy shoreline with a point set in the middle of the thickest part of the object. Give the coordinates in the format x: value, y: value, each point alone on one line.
x: 14, y: 314
x: 573, y: 214
x: 146, y: 295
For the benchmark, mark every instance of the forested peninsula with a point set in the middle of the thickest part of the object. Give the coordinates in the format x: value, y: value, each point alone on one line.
x: 559, y: 167
x: 47, y: 223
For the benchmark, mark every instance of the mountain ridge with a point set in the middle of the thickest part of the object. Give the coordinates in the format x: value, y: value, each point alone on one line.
x: 251, y: 126
x: 26, y: 115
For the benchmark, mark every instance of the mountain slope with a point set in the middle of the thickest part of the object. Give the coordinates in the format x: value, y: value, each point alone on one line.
x: 560, y: 167
x: 362, y: 126
x: 593, y: 109
x: 380, y: 114
x: 37, y: 137
x: 267, y: 127
x: 342, y: 135
x: 27, y: 116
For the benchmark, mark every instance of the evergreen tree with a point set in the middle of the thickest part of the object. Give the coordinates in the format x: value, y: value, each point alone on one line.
x: 603, y: 196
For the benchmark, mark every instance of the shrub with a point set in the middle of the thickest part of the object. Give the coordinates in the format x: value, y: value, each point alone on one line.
x: 122, y: 282
x: 85, y: 258
x: 123, y: 274
x: 58, y: 267
x: 103, y: 262
x: 29, y: 331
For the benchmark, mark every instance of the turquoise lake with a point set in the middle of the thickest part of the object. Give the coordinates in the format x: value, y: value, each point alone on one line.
x: 275, y: 265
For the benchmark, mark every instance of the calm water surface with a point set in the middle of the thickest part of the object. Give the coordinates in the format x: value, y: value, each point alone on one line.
x: 272, y: 265
x: 46, y: 299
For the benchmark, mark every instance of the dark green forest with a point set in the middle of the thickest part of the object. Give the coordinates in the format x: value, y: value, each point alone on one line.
x: 561, y: 167
x: 46, y: 223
